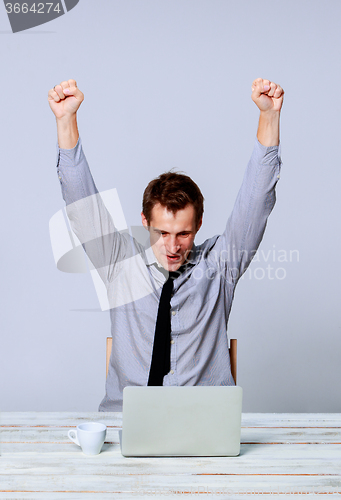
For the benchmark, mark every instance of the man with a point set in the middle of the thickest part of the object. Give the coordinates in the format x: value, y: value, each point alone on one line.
x: 182, y: 339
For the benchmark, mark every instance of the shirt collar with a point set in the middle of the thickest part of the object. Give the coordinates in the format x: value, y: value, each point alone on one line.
x: 151, y: 259
x: 193, y: 256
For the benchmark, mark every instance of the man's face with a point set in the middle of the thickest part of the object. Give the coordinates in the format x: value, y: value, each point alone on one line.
x: 171, y: 235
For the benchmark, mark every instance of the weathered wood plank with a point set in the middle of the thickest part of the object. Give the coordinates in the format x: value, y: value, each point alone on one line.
x: 131, y: 496
x: 57, y: 419
x: 287, y: 435
x: 291, y: 419
x: 66, y: 419
x: 45, y: 435
x: 63, y: 450
x: 142, y: 484
x: 307, y: 461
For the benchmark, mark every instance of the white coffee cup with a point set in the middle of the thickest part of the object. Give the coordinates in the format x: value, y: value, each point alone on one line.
x: 89, y: 436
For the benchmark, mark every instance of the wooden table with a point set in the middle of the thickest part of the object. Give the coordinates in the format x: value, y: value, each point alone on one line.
x: 281, y: 455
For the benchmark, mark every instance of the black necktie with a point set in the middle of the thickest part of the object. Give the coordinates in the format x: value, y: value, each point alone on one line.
x: 160, y: 364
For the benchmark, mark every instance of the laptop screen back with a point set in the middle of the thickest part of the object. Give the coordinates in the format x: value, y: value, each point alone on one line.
x: 181, y: 421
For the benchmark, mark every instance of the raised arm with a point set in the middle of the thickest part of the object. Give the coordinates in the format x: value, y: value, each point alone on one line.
x: 236, y: 247
x: 89, y: 218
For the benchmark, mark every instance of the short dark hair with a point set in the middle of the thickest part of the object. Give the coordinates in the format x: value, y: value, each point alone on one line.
x: 174, y: 191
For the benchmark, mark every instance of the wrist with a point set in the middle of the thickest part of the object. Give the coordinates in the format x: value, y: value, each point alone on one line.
x: 268, y: 128
x: 67, y: 130
x: 66, y: 121
x: 270, y: 114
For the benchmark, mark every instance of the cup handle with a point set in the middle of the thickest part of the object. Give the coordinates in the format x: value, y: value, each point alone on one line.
x: 73, y: 436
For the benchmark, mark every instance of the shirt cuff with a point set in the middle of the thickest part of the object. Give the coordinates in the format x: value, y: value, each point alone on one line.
x: 69, y: 157
x: 267, y: 155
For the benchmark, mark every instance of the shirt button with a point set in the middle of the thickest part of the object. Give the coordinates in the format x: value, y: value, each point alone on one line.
x: 59, y: 177
x: 172, y: 372
x: 174, y: 313
x: 172, y: 341
x: 278, y: 176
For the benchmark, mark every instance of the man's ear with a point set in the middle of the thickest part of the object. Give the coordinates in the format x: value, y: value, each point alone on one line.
x: 144, y: 221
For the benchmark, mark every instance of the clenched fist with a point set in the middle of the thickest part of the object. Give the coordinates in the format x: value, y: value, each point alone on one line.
x: 267, y: 95
x: 65, y: 99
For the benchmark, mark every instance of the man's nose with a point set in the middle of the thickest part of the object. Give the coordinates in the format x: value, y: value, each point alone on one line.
x: 174, y: 244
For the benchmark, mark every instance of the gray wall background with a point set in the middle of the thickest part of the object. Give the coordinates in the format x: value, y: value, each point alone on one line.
x: 167, y: 84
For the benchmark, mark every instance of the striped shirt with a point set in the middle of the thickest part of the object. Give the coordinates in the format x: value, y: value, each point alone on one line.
x: 202, y: 293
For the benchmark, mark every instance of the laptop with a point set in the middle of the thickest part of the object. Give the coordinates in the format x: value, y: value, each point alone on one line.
x: 181, y: 421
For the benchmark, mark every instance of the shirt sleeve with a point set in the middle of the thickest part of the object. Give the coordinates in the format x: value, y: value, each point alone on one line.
x: 236, y: 247
x: 89, y: 218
